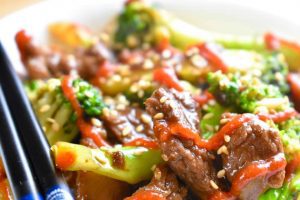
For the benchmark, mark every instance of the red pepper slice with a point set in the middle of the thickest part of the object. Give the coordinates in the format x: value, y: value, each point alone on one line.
x: 22, y: 40
x: 167, y: 76
x: 212, y: 57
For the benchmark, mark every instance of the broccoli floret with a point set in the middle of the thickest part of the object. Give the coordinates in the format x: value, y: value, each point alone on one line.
x: 275, y: 72
x: 88, y: 97
x: 53, y: 111
x: 134, y: 24
x: 290, y: 137
x: 246, y: 93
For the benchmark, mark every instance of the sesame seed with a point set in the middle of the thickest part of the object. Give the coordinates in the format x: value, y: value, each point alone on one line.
x: 139, y: 152
x: 198, y: 61
x: 132, y: 41
x: 139, y: 128
x: 212, y: 102
x: 100, y: 159
x: 221, y: 173
x: 159, y: 116
x: 126, y: 80
x: 145, y: 118
x: 227, y: 138
x: 44, y: 108
x: 224, y: 121
x: 88, y: 94
x: 213, y: 184
x: 166, y: 54
x: 163, y: 99
x: 157, y: 174
x: 148, y: 64
x: 216, y: 127
x: 172, y: 104
x: 278, y: 76
x: 192, y: 51
x: 116, y: 78
x: 205, y: 107
x: 140, y: 93
x: 104, y: 37
x: 120, y: 107
x: 51, y: 120
x: 113, y: 113
x: 222, y: 149
x: 209, y: 127
x: 96, y: 122
x: 44, y: 128
x: 134, y: 88
x: 153, y: 167
x: 208, y: 116
x: 126, y: 131
x: 164, y: 157
x: 55, y: 126
x: 106, y: 111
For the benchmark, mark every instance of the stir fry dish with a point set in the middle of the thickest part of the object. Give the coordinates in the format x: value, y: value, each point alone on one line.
x: 154, y: 108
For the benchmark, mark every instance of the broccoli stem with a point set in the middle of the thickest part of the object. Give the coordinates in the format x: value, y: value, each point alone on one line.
x: 138, y: 161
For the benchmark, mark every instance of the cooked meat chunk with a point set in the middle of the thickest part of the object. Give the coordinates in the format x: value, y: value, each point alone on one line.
x: 192, y: 164
x: 129, y: 124
x: 253, y: 141
x: 45, y: 62
x: 164, y: 184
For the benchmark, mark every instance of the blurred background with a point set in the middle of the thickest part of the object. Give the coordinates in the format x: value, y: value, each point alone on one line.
x: 286, y: 8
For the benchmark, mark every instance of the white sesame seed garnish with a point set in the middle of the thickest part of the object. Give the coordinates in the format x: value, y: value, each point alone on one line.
x: 192, y: 51
x: 96, y: 122
x: 139, y: 128
x: 134, y: 88
x: 278, y: 76
x: 221, y: 173
x: 212, y: 102
x: 209, y: 127
x: 157, y: 174
x: 88, y: 94
x: 198, y: 61
x: 106, y: 111
x: 217, y: 127
x: 148, y: 64
x: 224, y: 121
x: 44, y: 108
x: 104, y: 37
x: 159, y: 116
x: 164, y: 157
x: 213, y: 184
x: 205, y: 107
x: 140, y: 93
x: 55, y: 126
x: 163, y: 99
x: 100, y: 159
x: 145, y: 118
x: 153, y: 167
x: 172, y: 104
x: 222, y: 149
x: 126, y: 131
x: 113, y: 113
x: 208, y: 116
x: 116, y: 78
x: 227, y: 138
x: 120, y: 107
x: 51, y: 120
x: 166, y: 54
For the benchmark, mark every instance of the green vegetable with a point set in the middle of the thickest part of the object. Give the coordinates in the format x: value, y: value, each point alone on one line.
x: 138, y: 161
x: 145, y: 23
x: 246, y: 92
x: 290, y: 137
x: 289, y: 191
x: 211, y: 119
x: 53, y: 111
x: 89, y: 98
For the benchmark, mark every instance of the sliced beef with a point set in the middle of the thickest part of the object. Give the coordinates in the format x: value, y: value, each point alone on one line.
x: 192, y: 164
x: 128, y: 124
x: 164, y: 185
x: 45, y: 61
x: 253, y: 141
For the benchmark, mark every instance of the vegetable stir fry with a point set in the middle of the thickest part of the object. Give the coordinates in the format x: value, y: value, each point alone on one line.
x: 159, y: 109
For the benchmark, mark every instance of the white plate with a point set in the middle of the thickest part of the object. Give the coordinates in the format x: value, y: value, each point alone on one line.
x: 208, y: 14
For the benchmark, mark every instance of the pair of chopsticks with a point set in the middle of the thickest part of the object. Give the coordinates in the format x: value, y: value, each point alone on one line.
x: 25, y: 137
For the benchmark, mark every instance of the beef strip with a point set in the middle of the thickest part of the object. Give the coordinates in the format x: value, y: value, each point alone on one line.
x: 128, y: 124
x: 164, y: 184
x: 192, y: 164
x: 45, y: 62
x: 253, y: 141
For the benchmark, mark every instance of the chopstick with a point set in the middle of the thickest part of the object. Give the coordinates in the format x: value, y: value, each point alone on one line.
x: 52, y: 186
x: 15, y: 163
